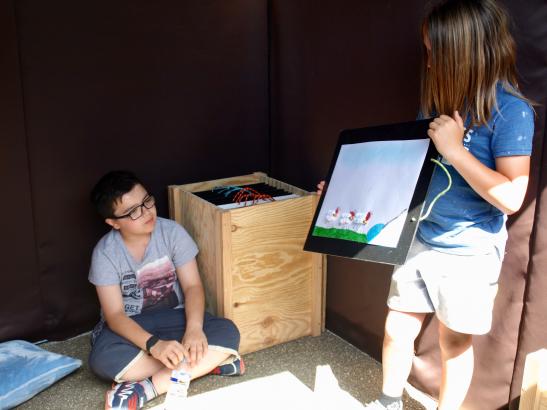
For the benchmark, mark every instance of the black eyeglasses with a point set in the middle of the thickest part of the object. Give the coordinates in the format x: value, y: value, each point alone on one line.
x: 148, y: 202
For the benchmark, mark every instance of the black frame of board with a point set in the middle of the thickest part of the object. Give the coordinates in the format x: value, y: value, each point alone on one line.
x: 376, y: 253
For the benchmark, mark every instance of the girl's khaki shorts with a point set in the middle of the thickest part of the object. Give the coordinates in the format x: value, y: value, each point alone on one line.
x: 459, y: 289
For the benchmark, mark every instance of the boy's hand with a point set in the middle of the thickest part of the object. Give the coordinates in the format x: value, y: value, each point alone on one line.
x: 195, y: 345
x: 447, y: 134
x: 320, y: 187
x: 169, y: 352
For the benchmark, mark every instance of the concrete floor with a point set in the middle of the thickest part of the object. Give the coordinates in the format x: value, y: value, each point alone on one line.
x: 357, y: 375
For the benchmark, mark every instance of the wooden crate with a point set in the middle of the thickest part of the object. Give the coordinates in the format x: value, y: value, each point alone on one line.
x: 533, y: 394
x: 252, y: 263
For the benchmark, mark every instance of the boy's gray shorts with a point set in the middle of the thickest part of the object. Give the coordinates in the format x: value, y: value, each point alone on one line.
x: 459, y: 289
x: 112, y: 355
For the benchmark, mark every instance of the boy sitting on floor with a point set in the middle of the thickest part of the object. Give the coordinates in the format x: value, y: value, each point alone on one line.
x: 152, y: 300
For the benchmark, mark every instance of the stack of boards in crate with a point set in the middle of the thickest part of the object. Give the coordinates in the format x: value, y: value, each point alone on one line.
x: 250, y: 231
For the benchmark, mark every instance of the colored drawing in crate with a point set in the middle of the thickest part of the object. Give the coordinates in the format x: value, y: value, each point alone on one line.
x: 370, y: 190
x: 236, y: 196
x: 244, y: 195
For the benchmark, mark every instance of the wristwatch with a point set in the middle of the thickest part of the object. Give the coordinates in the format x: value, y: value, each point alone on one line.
x: 152, y: 340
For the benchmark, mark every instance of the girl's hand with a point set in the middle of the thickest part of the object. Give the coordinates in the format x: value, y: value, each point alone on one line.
x: 447, y: 134
x: 320, y: 187
x: 169, y: 352
x: 195, y: 345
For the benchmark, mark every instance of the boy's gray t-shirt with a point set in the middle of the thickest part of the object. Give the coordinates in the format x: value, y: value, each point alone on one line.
x: 151, y: 283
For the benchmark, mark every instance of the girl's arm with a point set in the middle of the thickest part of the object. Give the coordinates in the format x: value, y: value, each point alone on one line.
x: 504, y: 187
x: 169, y: 352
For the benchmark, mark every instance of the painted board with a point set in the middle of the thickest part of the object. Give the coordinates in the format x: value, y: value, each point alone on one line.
x: 374, y: 193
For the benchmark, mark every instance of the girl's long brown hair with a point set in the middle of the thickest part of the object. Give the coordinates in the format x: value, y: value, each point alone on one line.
x: 471, y: 51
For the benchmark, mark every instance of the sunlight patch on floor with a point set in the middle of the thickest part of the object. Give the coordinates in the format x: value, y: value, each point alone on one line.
x: 280, y: 391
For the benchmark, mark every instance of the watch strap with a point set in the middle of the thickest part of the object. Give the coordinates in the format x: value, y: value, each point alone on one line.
x: 152, y: 340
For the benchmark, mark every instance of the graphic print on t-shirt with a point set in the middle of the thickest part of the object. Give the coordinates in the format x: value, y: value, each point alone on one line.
x: 467, y: 139
x: 131, y: 293
x: 156, y: 281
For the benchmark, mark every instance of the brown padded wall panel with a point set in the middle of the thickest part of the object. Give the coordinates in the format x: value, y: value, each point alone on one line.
x: 533, y: 333
x: 20, y: 304
x: 533, y: 329
x: 360, y: 288
x: 337, y: 65
x: 176, y: 91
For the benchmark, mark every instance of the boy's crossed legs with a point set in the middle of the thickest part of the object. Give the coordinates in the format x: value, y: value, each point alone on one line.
x: 148, y: 367
x: 148, y: 378
x: 142, y: 376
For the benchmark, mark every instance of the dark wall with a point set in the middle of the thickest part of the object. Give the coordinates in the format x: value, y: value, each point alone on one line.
x: 176, y: 91
x: 342, y: 65
x: 21, y: 301
x: 352, y: 64
x: 339, y: 65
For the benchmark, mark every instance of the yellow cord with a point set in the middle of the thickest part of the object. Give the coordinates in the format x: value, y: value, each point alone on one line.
x: 440, y: 193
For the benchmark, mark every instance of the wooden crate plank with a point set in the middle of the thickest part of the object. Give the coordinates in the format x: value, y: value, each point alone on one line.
x: 541, y: 393
x: 318, y: 282
x: 202, y: 221
x: 225, y: 269
x: 175, y: 202
x: 534, y: 382
x: 272, y: 275
x: 323, y: 292
x: 283, y: 185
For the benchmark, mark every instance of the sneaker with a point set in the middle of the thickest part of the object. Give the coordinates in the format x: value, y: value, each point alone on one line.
x: 376, y: 405
x: 129, y: 395
x: 236, y: 368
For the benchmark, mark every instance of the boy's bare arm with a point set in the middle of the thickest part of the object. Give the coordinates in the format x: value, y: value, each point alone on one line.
x: 170, y: 353
x: 194, y: 340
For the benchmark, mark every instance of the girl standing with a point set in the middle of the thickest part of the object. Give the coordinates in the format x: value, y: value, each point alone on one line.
x: 483, y: 129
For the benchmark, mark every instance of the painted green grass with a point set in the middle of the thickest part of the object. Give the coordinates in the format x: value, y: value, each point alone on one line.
x: 346, y: 234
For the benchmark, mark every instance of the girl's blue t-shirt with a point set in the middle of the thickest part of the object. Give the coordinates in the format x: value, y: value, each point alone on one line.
x: 461, y: 221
